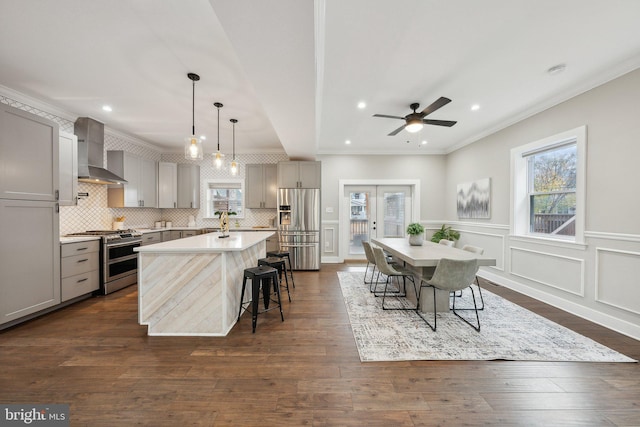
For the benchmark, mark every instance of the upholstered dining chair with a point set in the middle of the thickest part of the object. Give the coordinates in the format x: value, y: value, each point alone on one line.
x: 452, y: 275
x: 371, y: 261
x: 479, y: 251
x: 446, y: 242
x: 396, y: 272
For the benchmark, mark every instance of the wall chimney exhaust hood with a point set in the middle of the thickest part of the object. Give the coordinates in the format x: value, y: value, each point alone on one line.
x: 90, y: 135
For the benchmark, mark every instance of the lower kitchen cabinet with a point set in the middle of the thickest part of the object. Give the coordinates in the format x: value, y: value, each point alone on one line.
x: 179, y: 234
x: 151, y: 238
x: 79, y: 269
x: 29, y: 260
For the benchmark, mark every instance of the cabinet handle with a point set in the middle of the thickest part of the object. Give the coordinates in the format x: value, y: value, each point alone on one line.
x: 57, y: 194
x: 174, y: 204
x: 83, y: 260
x: 191, y: 204
x: 82, y: 280
x: 82, y: 249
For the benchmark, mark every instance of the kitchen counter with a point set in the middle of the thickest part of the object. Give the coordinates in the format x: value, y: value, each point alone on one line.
x: 192, y: 286
x: 76, y: 239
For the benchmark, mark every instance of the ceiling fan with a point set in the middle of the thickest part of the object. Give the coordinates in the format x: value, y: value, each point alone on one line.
x: 415, y: 121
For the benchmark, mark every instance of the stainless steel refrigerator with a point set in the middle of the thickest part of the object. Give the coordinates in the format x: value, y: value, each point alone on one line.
x: 299, y: 226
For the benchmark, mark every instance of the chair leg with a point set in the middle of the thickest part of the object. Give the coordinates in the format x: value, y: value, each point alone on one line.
x: 399, y: 294
x: 480, y: 292
x: 473, y: 294
x: 455, y: 295
x: 435, y: 315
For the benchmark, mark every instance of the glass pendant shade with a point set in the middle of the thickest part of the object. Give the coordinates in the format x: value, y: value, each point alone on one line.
x: 193, y: 144
x: 193, y: 148
x: 234, y: 168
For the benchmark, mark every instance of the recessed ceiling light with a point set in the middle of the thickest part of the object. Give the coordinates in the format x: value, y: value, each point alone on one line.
x: 348, y: 141
x: 475, y: 107
x: 362, y: 105
x: 556, y: 69
x: 424, y: 142
x: 203, y: 137
x: 107, y: 108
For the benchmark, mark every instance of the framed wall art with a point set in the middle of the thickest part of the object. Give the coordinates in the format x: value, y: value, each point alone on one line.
x: 474, y: 199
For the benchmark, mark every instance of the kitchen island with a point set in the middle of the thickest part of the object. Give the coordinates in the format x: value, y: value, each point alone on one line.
x: 192, y: 286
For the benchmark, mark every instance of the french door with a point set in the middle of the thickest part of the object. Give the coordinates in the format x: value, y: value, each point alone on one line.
x: 375, y: 211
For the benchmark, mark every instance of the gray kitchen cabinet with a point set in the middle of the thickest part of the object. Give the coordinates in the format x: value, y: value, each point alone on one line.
x: 167, y: 185
x: 68, y: 165
x: 299, y: 174
x: 79, y: 269
x: 29, y: 260
x: 261, y: 186
x: 180, y: 234
x: 141, y: 189
x: 29, y: 156
x: 166, y: 235
x: 151, y: 238
x: 188, y: 186
x: 272, y: 243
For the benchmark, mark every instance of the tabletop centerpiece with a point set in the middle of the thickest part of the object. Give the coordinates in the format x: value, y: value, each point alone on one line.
x: 224, y: 222
x: 416, y: 234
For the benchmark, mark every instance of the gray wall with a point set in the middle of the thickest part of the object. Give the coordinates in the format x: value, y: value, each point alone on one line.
x: 601, y: 279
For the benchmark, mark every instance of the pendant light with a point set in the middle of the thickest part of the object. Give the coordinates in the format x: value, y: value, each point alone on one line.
x: 234, y: 164
x: 193, y: 144
x: 217, y: 158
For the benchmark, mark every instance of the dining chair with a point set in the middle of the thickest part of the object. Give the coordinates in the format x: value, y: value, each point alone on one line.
x: 479, y: 251
x: 446, y: 242
x: 452, y: 275
x: 396, y: 272
x: 371, y: 261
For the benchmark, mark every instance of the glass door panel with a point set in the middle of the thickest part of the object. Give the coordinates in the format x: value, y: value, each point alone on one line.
x: 361, y: 213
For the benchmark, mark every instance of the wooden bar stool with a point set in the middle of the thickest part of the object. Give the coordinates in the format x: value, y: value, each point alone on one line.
x: 260, y: 276
x: 284, y: 254
x: 281, y: 266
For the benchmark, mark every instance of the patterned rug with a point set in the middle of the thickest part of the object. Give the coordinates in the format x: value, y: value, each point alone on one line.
x: 508, y: 332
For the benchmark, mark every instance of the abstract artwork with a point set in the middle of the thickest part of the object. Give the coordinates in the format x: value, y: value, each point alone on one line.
x: 474, y: 199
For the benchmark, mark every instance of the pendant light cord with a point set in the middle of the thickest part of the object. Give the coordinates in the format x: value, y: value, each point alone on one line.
x: 193, y: 109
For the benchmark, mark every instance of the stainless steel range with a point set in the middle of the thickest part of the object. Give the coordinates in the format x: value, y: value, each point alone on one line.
x: 119, y: 263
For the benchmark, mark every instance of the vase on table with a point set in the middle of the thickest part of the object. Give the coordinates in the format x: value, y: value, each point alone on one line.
x: 224, y: 224
x: 416, y: 240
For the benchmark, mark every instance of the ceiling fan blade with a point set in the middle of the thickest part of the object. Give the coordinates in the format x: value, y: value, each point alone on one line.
x: 439, y: 103
x: 395, y: 132
x: 388, y: 117
x: 447, y: 123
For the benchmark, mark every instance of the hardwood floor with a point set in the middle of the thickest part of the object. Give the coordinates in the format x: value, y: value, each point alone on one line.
x: 303, y: 371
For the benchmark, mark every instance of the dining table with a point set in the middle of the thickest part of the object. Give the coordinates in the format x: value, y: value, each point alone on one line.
x: 422, y: 260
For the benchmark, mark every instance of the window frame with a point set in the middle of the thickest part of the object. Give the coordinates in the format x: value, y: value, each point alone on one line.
x: 520, y: 178
x: 218, y: 182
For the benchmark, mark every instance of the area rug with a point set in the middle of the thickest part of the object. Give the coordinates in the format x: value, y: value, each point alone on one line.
x: 508, y: 332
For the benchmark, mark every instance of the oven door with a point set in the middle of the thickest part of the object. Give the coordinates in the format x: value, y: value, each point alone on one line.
x: 120, y: 260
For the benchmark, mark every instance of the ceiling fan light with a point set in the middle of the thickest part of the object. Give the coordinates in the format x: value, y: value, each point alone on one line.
x: 414, y: 125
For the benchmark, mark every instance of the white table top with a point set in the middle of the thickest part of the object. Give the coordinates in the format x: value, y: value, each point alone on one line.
x: 208, y: 243
x: 428, y: 254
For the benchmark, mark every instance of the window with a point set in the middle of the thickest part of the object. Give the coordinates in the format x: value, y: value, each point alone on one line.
x: 548, y: 187
x: 225, y: 195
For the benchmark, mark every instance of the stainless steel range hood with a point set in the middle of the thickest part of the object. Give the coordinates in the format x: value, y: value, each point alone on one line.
x: 90, y: 133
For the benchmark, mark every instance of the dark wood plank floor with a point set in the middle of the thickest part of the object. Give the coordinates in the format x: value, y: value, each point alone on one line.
x: 303, y: 371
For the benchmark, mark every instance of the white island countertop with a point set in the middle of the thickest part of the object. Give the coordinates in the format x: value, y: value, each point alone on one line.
x: 208, y: 243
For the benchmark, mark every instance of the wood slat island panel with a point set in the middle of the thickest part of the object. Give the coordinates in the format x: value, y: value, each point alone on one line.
x: 192, y: 286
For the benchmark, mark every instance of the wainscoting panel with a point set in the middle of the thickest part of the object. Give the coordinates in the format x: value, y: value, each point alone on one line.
x: 618, y: 278
x: 329, y: 240
x: 560, y: 272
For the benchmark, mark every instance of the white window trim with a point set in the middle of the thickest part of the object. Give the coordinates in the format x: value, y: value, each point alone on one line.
x: 519, y: 218
x: 223, y: 181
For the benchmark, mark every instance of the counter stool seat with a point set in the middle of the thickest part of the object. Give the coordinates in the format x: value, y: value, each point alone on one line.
x: 280, y: 265
x: 284, y: 254
x: 261, y: 277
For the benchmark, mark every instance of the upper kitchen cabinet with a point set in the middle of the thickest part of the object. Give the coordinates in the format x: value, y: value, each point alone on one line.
x: 188, y: 186
x: 68, y: 169
x: 261, y: 186
x: 167, y: 185
x: 141, y: 189
x: 299, y: 174
x: 28, y: 156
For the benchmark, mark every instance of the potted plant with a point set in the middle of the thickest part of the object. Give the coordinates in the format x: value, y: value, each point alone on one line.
x: 445, y: 233
x: 415, y: 232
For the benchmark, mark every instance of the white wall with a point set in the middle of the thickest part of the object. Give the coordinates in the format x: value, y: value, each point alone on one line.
x: 599, y: 280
